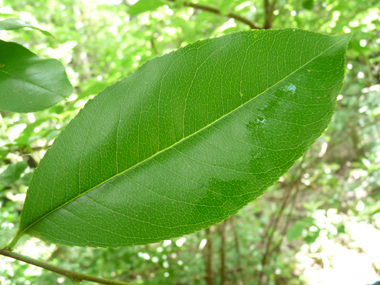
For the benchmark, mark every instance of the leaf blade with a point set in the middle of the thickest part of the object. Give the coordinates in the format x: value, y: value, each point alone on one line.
x: 206, y: 153
x: 29, y: 83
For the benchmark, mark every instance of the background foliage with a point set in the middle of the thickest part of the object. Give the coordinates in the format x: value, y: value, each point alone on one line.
x: 320, y: 224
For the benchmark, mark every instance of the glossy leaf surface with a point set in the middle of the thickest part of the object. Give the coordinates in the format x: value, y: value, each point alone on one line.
x: 29, y: 83
x: 187, y: 140
x: 14, y: 24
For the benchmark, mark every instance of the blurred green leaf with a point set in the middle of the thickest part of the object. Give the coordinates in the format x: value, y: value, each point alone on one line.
x: 308, y: 4
x: 24, y: 138
x: 92, y: 88
x: 14, y: 24
x: 144, y: 6
x: 374, y: 60
x: 25, y: 179
x: 307, y: 222
x: 294, y: 232
x: 312, y: 236
x: 12, y: 173
x: 52, y: 135
x: 3, y: 153
x: 341, y: 229
x: 29, y: 83
x: 6, y: 236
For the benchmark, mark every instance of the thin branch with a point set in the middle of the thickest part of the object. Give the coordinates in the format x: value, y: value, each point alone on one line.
x: 208, y: 258
x: 153, y: 45
x: 267, y: 252
x: 217, y: 11
x: 74, y: 276
x: 275, y: 220
x: 237, y: 245
x: 269, y: 9
x: 222, y: 233
x: 276, y: 249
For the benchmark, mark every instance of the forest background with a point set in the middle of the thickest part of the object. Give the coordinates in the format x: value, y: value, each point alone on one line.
x: 320, y: 224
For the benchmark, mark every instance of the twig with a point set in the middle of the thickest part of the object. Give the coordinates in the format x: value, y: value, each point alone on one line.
x: 74, y: 276
x: 222, y: 233
x: 276, y: 249
x: 269, y: 9
x: 237, y: 246
x: 217, y: 11
x: 153, y: 45
x: 266, y: 255
x: 208, y: 258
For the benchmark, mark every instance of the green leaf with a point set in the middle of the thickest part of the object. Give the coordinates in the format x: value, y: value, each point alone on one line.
x: 14, y: 24
x: 28, y: 132
x: 341, y: 229
x: 93, y: 88
x: 52, y: 135
x: 145, y: 6
x: 29, y: 83
x: 6, y: 235
x: 306, y: 222
x: 312, y: 236
x: 12, y: 173
x: 187, y: 140
x: 25, y: 180
x: 3, y: 153
x: 308, y: 4
x: 294, y: 232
